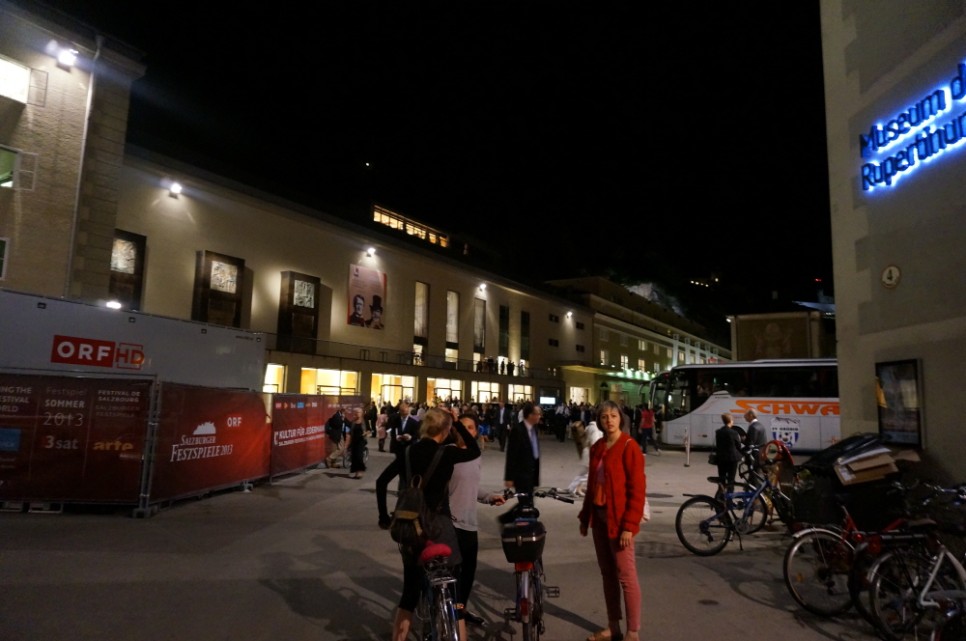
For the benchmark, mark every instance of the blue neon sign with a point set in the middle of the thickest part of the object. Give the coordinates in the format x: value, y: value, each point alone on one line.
x: 914, y: 136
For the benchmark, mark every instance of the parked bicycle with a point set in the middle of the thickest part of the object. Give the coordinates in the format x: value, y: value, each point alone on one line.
x: 819, y: 566
x: 918, y: 585
x: 822, y: 566
x: 523, y: 542
x: 705, y: 524
x: 435, y: 617
x: 885, y: 573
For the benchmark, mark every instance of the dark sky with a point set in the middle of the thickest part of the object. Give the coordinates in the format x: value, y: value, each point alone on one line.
x: 661, y: 140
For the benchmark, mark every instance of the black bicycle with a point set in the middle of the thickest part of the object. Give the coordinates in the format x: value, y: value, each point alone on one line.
x: 523, y: 541
x: 435, y: 618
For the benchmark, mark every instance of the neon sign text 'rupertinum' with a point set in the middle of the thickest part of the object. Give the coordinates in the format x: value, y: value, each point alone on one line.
x: 913, y: 137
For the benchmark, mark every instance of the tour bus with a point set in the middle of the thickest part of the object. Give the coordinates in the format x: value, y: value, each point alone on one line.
x: 797, y: 401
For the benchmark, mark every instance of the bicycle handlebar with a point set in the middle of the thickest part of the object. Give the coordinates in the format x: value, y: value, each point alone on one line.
x: 541, y: 494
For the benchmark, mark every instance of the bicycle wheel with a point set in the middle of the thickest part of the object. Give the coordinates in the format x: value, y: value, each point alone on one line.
x: 896, y: 579
x: 816, y: 570
x: 703, y: 525
x: 444, y: 616
x: 756, y: 519
x: 536, y: 601
x: 859, y: 583
x: 421, y: 619
x: 526, y: 597
x: 783, y: 507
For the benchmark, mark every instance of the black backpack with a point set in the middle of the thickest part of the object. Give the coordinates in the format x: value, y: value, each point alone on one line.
x: 412, y: 520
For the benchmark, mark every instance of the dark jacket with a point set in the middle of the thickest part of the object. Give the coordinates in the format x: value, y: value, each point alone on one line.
x: 421, y: 455
x: 727, y: 445
x: 399, y: 425
x: 756, y: 433
x: 334, y: 427
x: 522, y: 469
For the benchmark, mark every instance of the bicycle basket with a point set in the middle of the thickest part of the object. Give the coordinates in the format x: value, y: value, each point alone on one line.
x: 523, y: 540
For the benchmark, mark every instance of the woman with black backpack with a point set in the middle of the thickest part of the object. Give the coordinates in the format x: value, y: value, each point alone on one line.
x: 435, y: 430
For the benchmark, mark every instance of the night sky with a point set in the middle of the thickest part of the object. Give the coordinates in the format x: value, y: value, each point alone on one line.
x: 662, y: 141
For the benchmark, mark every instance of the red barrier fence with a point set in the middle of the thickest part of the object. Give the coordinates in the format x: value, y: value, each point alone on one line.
x: 81, y: 439
x: 72, y: 439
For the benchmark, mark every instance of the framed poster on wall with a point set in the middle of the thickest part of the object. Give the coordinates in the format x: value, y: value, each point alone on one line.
x: 219, y: 281
x: 298, y: 312
x: 899, y: 399
x: 366, y: 293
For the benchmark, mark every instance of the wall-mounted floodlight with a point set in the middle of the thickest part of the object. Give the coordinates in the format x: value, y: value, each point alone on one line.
x: 482, y: 287
x: 175, y: 189
x: 570, y: 314
x: 67, y: 57
x: 113, y: 304
x: 370, y: 251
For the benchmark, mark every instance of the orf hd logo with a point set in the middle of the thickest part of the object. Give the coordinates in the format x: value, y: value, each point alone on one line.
x: 97, y: 353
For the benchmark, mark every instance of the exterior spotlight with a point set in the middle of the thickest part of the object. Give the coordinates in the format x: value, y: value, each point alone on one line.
x: 570, y: 314
x: 482, y: 287
x: 370, y: 251
x: 67, y: 57
x: 113, y: 304
x: 175, y: 189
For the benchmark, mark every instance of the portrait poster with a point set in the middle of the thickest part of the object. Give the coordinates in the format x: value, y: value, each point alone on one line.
x: 899, y: 399
x: 366, y: 296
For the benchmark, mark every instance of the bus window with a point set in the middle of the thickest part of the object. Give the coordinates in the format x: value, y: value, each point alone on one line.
x: 733, y: 381
x: 679, y: 397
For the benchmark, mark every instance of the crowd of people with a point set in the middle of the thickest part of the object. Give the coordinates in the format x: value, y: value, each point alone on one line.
x: 610, y: 482
x: 611, y: 441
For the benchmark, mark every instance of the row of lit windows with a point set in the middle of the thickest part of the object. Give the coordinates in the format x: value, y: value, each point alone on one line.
x: 391, y: 388
x: 410, y: 227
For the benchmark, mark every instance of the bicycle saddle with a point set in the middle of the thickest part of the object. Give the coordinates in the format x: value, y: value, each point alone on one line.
x: 433, y: 550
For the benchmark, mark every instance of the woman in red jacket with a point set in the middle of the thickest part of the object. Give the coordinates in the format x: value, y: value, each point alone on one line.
x: 613, y: 507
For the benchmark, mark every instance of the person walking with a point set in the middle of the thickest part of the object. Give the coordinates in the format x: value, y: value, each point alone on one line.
x: 613, y: 508
x: 335, y: 438
x: 504, y: 416
x: 372, y: 413
x: 356, y: 444
x: 465, y: 494
x: 381, y: 432
x: 647, y: 429
x: 727, y: 449
x: 584, y: 437
x: 436, y: 428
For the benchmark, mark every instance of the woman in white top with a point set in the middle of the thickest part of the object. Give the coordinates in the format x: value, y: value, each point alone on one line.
x: 584, y: 436
x: 464, y: 494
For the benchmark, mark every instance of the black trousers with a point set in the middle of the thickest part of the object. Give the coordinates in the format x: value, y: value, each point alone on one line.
x: 469, y: 543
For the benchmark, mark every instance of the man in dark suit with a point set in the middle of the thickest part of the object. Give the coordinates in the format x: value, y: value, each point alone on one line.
x: 522, y: 471
x: 403, y: 429
x: 755, y: 435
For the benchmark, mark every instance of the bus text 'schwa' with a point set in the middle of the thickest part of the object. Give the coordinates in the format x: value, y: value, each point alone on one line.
x: 774, y: 406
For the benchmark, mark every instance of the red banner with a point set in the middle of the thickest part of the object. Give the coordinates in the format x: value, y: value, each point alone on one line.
x: 208, y: 439
x: 72, y: 439
x: 298, y: 431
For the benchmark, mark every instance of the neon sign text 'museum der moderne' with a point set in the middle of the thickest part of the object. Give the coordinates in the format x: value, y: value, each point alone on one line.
x: 911, y: 138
